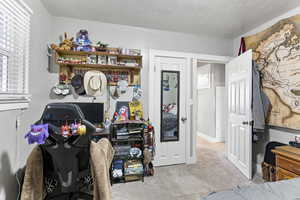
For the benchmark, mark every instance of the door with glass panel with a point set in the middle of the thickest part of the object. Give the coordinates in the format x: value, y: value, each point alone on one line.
x: 170, y: 110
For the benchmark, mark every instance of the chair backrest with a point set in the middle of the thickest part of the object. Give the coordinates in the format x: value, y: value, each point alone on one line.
x: 61, y: 112
x: 269, y: 155
x: 66, y: 160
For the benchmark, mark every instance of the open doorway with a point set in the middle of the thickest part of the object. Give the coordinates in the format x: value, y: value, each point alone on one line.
x: 211, y: 108
x: 237, y: 154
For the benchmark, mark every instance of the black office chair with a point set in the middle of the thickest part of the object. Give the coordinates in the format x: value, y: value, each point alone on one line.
x: 67, y: 173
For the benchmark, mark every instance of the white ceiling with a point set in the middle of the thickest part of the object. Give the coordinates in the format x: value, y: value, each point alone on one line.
x: 222, y: 18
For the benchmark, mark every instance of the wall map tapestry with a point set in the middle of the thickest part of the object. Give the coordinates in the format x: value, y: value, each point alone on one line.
x: 277, y: 52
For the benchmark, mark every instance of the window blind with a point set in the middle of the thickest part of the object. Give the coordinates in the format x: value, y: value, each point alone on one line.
x: 14, y: 47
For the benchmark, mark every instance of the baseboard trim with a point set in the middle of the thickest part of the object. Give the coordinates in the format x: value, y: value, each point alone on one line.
x: 210, y: 139
x: 191, y: 160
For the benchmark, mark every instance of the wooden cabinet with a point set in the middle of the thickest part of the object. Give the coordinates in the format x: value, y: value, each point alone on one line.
x: 282, y: 174
x: 287, y: 162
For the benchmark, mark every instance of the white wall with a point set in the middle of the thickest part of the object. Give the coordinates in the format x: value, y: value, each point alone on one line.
x: 221, y: 113
x: 13, y: 148
x: 140, y: 38
x: 207, y: 124
x: 279, y: 135
x: 218, y: 72
x: 218, y: 83
x: 206, y: 113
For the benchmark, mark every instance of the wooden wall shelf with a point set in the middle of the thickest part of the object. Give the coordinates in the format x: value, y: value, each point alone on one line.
x: 69, y: 61
x: 106, y: 67
x: 98, y: 53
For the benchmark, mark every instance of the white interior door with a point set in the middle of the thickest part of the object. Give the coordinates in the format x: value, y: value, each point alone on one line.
x: 239, y: 129
x: 170, y: 110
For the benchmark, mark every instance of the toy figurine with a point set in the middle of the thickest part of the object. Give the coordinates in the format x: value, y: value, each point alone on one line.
x: 106, y: 122
x: 82, y: 41
x: 81, y: 129
x: 37, y: 134
x: 65, y: 130
x: 116, y: 116
x: 74, y: 128
x: 101, y: 46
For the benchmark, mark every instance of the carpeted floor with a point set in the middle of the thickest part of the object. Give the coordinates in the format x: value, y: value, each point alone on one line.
x: 212, y: 172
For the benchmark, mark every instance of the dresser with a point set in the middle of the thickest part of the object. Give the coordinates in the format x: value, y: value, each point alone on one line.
x: 287, y: 162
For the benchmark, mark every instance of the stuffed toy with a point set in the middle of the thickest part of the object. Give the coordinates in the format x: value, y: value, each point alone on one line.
x: 67, y: 44
x: 38, y: 134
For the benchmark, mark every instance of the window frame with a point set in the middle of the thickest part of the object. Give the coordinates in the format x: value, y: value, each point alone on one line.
x: 11, y: 101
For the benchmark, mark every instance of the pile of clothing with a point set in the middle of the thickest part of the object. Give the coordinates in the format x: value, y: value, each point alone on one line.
x: 122, y: 150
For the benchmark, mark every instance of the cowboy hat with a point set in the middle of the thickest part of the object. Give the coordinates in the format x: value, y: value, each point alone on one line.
x: 95, y: 83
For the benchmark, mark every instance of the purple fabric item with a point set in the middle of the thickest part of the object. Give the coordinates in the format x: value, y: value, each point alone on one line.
x: 38, y: 134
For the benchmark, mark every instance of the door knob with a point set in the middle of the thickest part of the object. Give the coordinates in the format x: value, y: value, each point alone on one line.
x: 247, y: 123
x: 183, y: 119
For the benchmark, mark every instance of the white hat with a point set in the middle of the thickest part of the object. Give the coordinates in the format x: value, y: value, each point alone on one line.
x: 95, y: 83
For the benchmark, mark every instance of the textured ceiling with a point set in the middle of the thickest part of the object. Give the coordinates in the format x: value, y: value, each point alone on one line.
x: 221, y: 18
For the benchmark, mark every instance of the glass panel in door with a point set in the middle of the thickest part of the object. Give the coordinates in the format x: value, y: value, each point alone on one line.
x: 170, y: 106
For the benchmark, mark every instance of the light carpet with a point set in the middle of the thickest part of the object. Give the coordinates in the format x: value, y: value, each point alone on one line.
x: 212, y: 172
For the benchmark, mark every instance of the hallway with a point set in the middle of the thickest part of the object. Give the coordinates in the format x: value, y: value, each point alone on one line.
x: 212, y: 172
